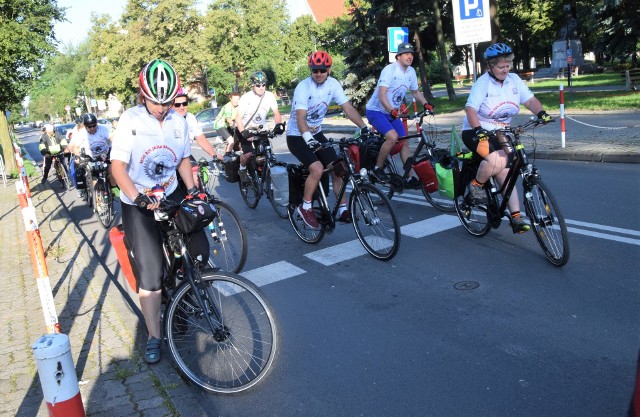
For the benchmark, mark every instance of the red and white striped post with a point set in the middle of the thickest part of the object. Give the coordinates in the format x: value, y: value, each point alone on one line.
x: 562, y: 125
x: 58, y: 376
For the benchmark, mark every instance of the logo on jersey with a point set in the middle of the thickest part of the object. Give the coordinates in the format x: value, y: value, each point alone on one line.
x: 159, y: 163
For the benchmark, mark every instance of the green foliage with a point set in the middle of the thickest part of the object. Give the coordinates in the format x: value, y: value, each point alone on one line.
x: 26, y: 37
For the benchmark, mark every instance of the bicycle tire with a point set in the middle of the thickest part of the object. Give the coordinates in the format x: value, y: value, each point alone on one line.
x: 239, y: 351
x: 547, y: 221
x: 375, y: 222
x: 473, y: 217
x: 62, y: 176
x: 102, y: 203
x: 280, y: 210
x: 250, y: 190
x: 304, y: 232
x: 228, y: 242
x: 435, y: 198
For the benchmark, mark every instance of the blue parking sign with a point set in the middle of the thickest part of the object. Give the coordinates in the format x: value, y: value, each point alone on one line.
x: 471, y: 9
x: 396, y: 36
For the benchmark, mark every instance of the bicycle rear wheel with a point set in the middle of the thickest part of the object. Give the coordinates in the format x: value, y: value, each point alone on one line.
x: 547, y: 221
x: 239, y: 350
x: 375, y: 222
x: 250, y: 190
x: 304, y: 232
x: 280, y: 210
x: 473, y: 217
x: 228, y: 243
x: 103, y: 204
x: 62, y: 176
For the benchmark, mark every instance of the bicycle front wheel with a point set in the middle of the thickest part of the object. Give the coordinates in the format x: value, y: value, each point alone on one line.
x: 62, y: 176
x: 251, y: 190
x: 375, y: 222
x: 228, y: 243
x: 103, y: 204
x: 235, y: 349
x: 473, y: 217
x: 280, y: 210
x: 547, y: 221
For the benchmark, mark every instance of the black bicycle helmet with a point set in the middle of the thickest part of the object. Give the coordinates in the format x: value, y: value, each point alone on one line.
x: 89, y: 119
x: 496, y: 50
x: 258, y: 77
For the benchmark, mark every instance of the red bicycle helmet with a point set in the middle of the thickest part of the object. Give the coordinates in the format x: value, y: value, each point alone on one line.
x: 320, y: 60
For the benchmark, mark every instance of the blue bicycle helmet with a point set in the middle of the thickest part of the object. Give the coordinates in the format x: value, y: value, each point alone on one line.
x: 496, y: 50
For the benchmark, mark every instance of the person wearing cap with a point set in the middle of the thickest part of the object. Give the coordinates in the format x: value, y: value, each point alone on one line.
x: 50, y: 148
x: 395, y: 80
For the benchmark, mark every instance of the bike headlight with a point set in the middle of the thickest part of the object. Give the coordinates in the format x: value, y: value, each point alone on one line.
x: 363, y: 172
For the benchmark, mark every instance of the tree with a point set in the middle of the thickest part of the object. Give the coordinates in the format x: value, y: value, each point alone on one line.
x: 27, y: 36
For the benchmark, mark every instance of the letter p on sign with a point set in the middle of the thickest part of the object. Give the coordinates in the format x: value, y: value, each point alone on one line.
x: 471, y: 9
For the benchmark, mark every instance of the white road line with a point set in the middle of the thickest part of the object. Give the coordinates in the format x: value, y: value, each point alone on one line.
x: 337, y: 253
x: 430, y: 226
x: 604, y: 236
x: 272, y: 273
x: 603, y: 227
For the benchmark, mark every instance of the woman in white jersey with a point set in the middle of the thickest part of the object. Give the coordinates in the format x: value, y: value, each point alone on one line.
x: 151, y: 145
x: 494, y: 99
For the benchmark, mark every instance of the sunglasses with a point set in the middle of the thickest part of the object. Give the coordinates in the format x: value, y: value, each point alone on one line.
x: 319, y: 71
x: 90, y: 126
x: 183, y: 104
x: 260, y: 85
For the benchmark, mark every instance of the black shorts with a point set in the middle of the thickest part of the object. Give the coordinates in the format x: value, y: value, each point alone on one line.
x: 245, y: 145
x: 144, y: 235
x: 298, y: 148
x: 224, y: 133
x: 469, y: 140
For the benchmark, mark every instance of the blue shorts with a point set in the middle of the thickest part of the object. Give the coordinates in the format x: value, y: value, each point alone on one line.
x: 383, y: 122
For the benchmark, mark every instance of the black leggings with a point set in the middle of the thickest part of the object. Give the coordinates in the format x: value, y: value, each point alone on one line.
x: 144, y: 235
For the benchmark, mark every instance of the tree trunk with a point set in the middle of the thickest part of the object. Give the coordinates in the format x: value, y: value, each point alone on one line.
x: 6, y: 145
x: 426, y: 90
x: 442, y: 52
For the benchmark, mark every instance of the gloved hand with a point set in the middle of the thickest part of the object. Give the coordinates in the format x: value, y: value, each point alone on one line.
x: 246, y: 134
x: 278, y: 129
x: 143, y: 200
x: 394, y: 114
x: 312, y: 143
x: 544, y: 117
x: 365, y: 131
x: 429, y: 106
x: 481, y: 134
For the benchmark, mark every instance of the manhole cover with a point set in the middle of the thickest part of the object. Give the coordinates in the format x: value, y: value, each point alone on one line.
x: 466, y: 285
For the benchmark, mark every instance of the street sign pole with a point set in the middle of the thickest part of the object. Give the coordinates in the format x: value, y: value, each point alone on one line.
x: 472, y: 24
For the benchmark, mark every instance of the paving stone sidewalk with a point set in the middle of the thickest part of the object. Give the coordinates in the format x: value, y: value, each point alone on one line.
x: 103, y: 328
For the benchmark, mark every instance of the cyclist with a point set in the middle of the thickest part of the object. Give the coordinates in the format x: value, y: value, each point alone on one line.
x: 225, y: 121
x: 150, y: 144
x: 311, y: 99
x: 50, y: 147
x: 180, y: 104
x: 494, y: 99
x: 252, y: 113
x: 383, y: 106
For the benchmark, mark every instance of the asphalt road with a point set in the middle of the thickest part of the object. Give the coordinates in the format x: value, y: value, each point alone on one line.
x: 412, y: 337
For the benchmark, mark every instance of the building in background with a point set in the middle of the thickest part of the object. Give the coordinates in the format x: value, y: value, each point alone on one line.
x: 320, y: 10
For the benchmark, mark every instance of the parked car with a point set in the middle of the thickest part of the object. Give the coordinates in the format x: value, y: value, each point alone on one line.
x: 205, y: 119
x: 60, y: 130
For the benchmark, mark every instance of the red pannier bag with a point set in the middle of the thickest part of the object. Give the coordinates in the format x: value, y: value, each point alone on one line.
x: 427, y: 175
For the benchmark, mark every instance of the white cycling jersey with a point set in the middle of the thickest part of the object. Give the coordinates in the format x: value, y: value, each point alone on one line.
x: 151, y: 151
x: 194, y: 128
x: 94, y: 144
x: 315, y: 99
x: 495, y: 102
x: 254, y: 108
x: 398, y: 82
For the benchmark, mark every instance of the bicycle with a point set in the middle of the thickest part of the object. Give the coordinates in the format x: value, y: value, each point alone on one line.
x: 228, y: 242
x: 61, y: 172
x: 222, y: 335
x: 431, y: 155
x: 98, y: 195
x: 374, y: 220
x: 540, y: 206
x: 259, y: 168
